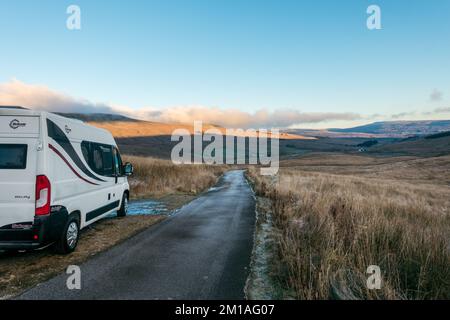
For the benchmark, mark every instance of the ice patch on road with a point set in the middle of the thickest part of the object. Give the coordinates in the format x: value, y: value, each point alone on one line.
x: 212, y: 189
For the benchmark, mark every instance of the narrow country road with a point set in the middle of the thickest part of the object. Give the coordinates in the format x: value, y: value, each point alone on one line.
x: 201, y: 252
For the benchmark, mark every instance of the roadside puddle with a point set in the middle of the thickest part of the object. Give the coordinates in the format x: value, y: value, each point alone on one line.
x: 147, y: 207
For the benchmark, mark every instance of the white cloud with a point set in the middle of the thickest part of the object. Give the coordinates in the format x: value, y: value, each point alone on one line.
x: 41, y: 97
x: 436, y: 95
x: 442, y: 110
x: 237, y: 118
x: 403, y: 115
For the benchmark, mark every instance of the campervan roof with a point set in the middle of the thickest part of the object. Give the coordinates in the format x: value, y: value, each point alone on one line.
x: 13, y: 107
x: 18, y: 110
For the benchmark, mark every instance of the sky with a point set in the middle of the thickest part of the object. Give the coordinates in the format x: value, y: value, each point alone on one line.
x: 309, y: 64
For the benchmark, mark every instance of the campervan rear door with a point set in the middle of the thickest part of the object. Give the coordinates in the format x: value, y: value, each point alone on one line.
x: 19, y: 136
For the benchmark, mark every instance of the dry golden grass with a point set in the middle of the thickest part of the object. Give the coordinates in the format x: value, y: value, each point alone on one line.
x: 156, y: 178
x: 128, y: 129
x: 433, y: 170
x: 330, y: 227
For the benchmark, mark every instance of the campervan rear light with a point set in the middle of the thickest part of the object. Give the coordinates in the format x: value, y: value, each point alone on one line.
x: 43, y: 192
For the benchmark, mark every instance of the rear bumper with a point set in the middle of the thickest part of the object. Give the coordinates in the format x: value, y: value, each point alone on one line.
x: 19, y: 245
x: 44, y: 230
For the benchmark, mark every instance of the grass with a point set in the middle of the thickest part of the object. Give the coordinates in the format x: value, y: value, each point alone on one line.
x: 329, y: 227
x: 156, y: 178
x: 432, y: 171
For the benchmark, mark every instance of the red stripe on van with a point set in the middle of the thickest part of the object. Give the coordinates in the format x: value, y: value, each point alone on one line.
x: 68, y: 164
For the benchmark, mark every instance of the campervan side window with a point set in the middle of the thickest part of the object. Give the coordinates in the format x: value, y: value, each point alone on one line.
x: 99, y: 157
x: 118, y: 162
x: 13, y: 156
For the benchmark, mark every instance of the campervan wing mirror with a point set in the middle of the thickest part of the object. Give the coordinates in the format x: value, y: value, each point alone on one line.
x: 128, y: 169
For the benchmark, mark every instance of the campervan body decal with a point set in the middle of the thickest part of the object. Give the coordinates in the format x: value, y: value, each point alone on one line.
x: 98, y: 212
x: 58, y: 135
x: 68, y: 164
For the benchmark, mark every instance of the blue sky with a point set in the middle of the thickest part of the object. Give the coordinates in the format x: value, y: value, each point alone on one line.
x: 249, y: 55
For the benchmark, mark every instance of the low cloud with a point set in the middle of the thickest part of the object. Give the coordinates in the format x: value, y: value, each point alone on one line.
x: 437, y: 111
x: 17, y: 93
x: 436, y: 95
x: 41, y: 97
x: 402, y: 115
x: 241, y: 119
x: 442, y: 110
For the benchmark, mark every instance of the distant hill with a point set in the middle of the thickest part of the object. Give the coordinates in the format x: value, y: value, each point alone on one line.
x: 368, y: 144
x: 428, y: 146
x: 323, y: 133
x: 399, y: 138
x: 124, y: 127
x: 96, y: 117
x: 438, y: 135
x: 137, y: 128
x: 146, y: 138
x: 400, y: 128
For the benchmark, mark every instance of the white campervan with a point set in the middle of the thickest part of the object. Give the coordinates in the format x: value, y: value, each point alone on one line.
x: 57, y: 176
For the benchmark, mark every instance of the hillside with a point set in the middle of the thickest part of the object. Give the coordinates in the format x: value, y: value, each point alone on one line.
x: 145, y: 138
x: 324, y: 133
x: 124, y: 127
x: 97, y: 117
x: 432, y: 145
x: 400, y: 128
x: 438, y: 135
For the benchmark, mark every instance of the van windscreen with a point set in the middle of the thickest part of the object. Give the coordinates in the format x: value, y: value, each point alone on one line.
x: 13, y: 156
